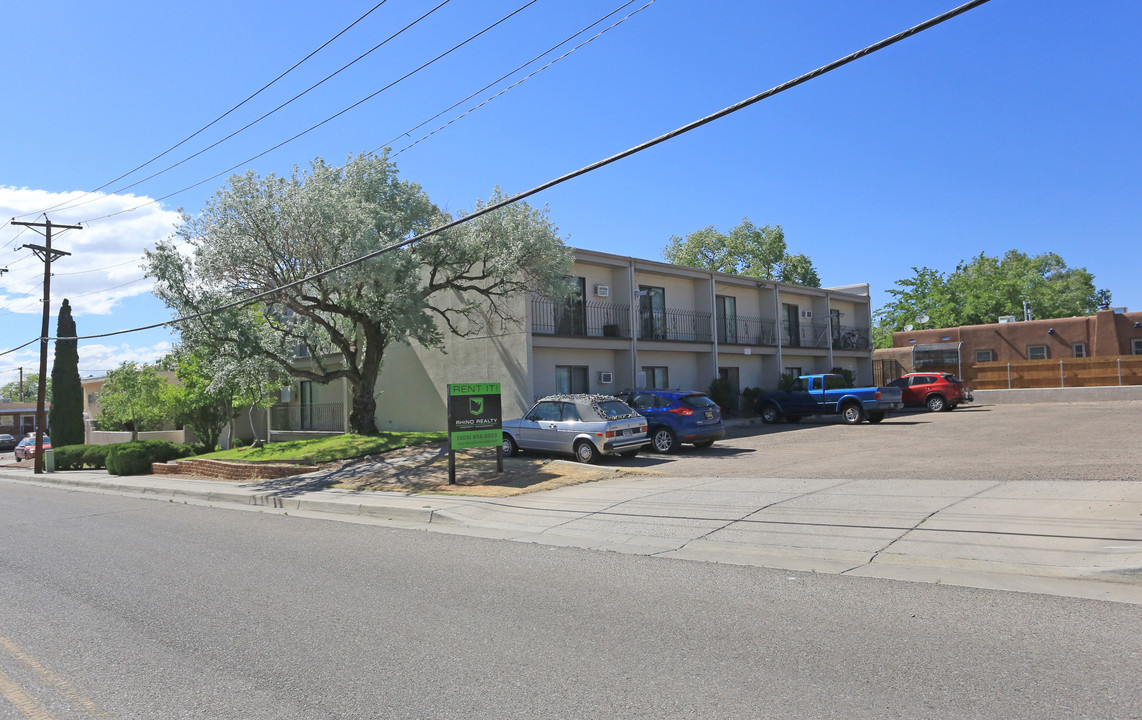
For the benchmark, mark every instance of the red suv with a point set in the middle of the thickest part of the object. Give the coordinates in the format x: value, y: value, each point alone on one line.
x: 937, y: 390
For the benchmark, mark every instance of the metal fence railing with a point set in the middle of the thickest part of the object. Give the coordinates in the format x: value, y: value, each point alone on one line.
x: 587, y: 319
x: 742, y: 330
x: 324, y: 417
x: 681, y: 325
x: 851, y: 338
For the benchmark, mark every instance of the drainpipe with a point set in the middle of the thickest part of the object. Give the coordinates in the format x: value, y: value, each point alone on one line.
x: 714, y: 319
x: 777, y: 330
x: 633, y: 324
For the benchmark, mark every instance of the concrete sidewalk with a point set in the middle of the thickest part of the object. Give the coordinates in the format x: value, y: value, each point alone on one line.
x: 1073, y: 538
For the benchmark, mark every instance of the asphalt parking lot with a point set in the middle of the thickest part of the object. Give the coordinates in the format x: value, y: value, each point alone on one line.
x: 1096, y: 441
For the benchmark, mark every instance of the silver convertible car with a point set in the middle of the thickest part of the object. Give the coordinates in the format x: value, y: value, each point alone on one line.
x: 586, y: 426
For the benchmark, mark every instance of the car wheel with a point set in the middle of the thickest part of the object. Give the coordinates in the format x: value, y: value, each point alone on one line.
x: 852, y: 414
x: 936, y: 403
x: 704, y: 444
x: 510, y: 448
x: 770, y: 414
x: 585, y: 452
x: 875, y: 417
x: 664, y: 440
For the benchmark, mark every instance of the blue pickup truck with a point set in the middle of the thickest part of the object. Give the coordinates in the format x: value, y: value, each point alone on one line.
x: 827, y: 395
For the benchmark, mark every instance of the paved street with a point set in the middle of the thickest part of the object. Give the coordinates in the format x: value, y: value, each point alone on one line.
x: 118, y: 607
x: 1035, y: 498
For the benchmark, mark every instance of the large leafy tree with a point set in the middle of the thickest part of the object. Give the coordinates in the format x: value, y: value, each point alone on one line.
x: 746, y: 250
x: 66, y: 415
x: 258, y: 234
x: 984, y: 288
x: 200, y: 400
x: 132, y: 397
x: 14, y: 390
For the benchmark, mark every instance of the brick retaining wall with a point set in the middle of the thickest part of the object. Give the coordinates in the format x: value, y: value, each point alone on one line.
x: 224, y: 470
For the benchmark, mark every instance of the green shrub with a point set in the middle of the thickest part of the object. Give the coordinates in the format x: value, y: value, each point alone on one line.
x: 95, y: 456
x: 136, y: 458
x: 848, y: 375
x: 787, y: 381
x: 69, y: 457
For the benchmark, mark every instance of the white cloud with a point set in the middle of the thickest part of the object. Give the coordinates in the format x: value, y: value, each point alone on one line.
x: 104, y: 267
x: 98, y: 359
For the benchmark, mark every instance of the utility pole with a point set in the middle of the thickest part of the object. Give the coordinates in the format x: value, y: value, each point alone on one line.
x: 47, y: 254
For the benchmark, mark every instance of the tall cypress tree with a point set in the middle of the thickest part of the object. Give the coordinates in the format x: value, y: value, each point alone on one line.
x: 66, y: 415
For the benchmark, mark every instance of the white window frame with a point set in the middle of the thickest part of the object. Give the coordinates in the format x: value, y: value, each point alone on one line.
x: 1032, y: 351
x: 1078, y: 349
x: 1136, y: 346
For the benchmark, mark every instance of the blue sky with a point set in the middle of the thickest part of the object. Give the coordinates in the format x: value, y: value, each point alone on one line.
x: 1014, y: 126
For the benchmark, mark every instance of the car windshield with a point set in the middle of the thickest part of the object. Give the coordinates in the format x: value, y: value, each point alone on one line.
x: 612, y: 409
x: 698, y: 401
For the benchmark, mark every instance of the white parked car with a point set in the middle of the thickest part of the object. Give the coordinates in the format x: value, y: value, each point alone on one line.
x: 586, y: 426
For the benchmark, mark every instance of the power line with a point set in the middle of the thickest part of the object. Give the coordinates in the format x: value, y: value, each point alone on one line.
x: 801, y: 79
x: 220, y: 117
x: 514, y: 71
x: 252, y: 123
x: 310, y: 129
x: 521, y: 80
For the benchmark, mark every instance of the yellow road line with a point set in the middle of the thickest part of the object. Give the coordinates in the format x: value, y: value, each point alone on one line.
x: 53, y: 679
x: 28, y: 707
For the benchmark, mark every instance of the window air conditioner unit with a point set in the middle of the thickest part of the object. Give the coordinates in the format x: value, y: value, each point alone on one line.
x: 807, y: 314
x: 603, y: 290
x: 1006, y: 318
x: 606, y: 378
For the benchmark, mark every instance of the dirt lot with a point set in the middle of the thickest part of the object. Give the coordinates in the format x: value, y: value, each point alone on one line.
x: 425, y: 469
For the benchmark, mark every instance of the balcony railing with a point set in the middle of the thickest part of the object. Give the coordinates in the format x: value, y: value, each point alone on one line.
x: 851, y: 338
x: 324, y: 417
x: 680, y: 325
x: 589, y: 319
x: 739, y: 330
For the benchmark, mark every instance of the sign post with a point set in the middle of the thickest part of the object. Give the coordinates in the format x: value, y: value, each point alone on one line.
x: 474, y: 421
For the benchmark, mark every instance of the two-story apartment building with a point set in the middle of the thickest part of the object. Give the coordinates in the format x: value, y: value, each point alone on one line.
x: 634, y: 323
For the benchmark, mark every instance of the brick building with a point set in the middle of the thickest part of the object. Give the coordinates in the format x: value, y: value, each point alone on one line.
x: 969, y: 349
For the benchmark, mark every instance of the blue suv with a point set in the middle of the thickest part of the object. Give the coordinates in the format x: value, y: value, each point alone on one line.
x: 676, y: 417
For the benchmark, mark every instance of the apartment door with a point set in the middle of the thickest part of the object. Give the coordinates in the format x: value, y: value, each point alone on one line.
x: 571, y: 316
x: 652, y: 312
x: 727, y: 312
x: 792, y: 325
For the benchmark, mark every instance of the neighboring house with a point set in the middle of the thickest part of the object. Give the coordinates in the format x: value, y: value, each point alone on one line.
x: 18, y: 419
x: 632, y: 323
x: 91, y: 386
x: 966, y: 350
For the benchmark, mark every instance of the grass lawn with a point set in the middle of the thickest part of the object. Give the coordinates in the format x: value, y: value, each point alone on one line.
x: 337, y: 447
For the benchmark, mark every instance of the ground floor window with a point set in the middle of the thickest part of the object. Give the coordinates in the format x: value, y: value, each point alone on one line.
x: 1137, y: 345
x: 984, y: 355
x: 571, y: 379
x: 1037, y: 352
x: 1079, y: 350
x: 656, y: 376
x: 794, y: 371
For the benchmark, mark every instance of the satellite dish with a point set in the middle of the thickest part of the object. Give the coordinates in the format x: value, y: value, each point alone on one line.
x: 923, y: 319
x: 908, y: 327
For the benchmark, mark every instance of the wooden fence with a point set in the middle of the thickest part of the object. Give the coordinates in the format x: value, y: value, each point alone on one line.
x: 1068, y: 372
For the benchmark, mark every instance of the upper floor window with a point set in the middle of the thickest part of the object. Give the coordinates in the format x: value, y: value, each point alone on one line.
x: 1079, y: 349
x: 985, y: 356
x: 1037, y: 352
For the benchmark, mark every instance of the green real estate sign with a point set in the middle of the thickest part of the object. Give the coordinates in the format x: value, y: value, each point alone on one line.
x: 474, y: 418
